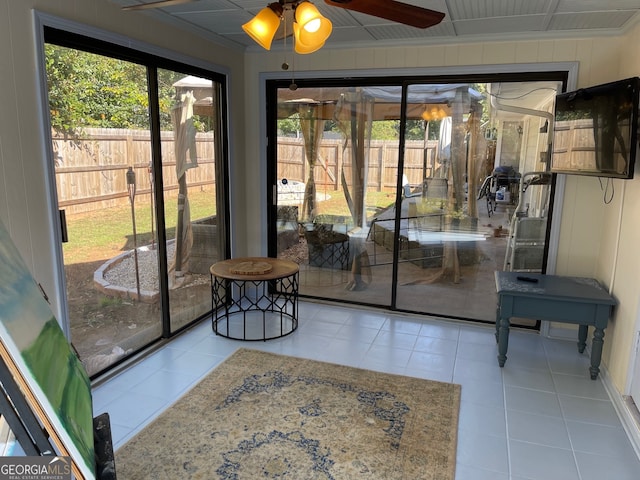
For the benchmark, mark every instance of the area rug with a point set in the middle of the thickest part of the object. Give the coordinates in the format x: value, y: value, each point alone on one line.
x: 265, y: 416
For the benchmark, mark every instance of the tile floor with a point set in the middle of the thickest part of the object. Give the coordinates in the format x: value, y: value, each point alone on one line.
x: 540, y: 417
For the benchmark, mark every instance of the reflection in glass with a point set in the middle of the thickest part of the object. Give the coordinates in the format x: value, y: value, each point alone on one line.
x: 189, y: 152
x: 100, y: 132
x: 106, y: 178
x: 408, y: 209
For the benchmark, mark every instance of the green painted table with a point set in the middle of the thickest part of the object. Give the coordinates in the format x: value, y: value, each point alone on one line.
x: 575, y: 300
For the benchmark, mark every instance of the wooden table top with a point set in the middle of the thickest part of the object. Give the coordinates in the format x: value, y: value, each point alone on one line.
x: 279, y: 268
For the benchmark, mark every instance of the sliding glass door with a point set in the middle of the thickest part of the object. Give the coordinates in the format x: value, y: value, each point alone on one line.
x: 332, y: 183
x: 409, y: 195
x: 139, y: 158
x: 190, y: 150
x: 476, y: 190
x: 449, y: 250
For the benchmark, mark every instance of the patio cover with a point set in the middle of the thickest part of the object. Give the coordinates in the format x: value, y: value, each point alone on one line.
x: 193, y: 95
x: 354, y: 110
x: 359, y: 107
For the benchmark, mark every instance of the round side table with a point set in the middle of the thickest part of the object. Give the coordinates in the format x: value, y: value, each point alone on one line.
x: 254, y: 298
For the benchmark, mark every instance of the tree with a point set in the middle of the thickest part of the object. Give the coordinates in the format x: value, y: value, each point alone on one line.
x: 89, y: 90
x: 290, y: 126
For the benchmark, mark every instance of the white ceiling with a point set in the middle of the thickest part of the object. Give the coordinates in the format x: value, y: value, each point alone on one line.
x: 465, y: 20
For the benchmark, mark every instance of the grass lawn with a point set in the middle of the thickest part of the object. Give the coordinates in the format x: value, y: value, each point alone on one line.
x: 106, y: 233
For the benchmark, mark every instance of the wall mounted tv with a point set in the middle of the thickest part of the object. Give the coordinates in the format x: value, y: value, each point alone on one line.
x: 595, y: 130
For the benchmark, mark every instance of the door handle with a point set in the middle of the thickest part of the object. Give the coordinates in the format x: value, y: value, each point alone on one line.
x: 63, y: 226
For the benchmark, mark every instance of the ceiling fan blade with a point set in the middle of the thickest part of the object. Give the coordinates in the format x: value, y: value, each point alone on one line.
x: 392, y: 10
x: 158, y: 4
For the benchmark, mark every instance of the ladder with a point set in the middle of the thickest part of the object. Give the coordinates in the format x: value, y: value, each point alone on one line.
x: 526, y: 240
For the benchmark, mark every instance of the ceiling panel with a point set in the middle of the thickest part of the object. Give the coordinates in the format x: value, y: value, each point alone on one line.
x: 351, y: 35
x: 593, y: 20
x: 597, y: 5
x: 393, y: 31
x: 469, y: 9
x: 488, y: 26
x: 221, y: 20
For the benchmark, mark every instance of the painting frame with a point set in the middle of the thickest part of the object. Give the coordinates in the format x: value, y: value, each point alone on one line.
x: 45, y: 367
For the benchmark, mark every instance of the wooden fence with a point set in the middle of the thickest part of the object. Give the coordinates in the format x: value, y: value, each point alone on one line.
x: 91, y: 173
x: 383, y: 163
x: 574, y: 148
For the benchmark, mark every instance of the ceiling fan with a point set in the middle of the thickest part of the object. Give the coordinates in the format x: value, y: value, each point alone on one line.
x: 392, y: 10
x: 398, y: 12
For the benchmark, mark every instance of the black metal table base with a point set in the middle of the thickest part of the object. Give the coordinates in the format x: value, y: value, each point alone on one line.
x: 254, y: 310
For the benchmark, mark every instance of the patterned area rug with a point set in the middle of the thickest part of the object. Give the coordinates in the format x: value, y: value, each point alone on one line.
x: 265, y: 416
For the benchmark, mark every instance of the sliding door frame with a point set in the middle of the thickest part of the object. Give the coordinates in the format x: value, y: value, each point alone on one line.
x: 50, y: 29
x: 564, y: 72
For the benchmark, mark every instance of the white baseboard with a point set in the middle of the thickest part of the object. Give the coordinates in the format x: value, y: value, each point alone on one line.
x: 624, y: 411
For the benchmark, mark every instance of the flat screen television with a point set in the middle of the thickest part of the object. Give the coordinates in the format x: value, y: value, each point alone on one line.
x: 595, y: 130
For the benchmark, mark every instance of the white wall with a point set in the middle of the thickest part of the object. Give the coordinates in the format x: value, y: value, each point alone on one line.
x: 24, y: 184
x: 585, y: 247
x: 601, y: 239
x: 620, y: 247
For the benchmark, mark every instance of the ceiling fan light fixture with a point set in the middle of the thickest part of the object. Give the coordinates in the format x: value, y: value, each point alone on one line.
x: 433, y: 113
x: 263, y: 27
x: 301, y: 47
x: 314, y: 28
x: 310, y: 28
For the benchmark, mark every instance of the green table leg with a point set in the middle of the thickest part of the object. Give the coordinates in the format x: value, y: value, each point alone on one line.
x: 503, y: 341
x: 596, y: 352
x: 582, y: 337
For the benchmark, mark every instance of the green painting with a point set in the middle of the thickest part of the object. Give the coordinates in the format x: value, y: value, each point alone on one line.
x: 44, y: 358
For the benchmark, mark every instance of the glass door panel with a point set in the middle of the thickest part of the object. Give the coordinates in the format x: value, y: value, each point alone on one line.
x: 101, y: 139
x: 423, y: 201
x: 332, y: 185
x: 464, y: 196
x: 189, y: 109
x: 121, y: 132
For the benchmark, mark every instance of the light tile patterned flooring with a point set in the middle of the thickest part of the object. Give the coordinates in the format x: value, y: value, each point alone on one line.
x: 538, y: 418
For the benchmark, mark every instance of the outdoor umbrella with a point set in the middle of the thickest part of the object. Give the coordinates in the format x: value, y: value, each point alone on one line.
x: 186, y: 157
